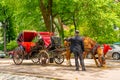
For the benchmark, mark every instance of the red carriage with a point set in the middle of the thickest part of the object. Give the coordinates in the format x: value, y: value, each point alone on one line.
x: 40, y: 47
x: 52, y: 44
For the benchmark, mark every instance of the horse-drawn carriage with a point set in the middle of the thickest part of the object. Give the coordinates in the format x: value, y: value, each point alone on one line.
x: 40, y: 47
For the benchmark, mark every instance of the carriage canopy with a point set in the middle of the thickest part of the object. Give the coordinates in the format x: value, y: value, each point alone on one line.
x: 27, y: 36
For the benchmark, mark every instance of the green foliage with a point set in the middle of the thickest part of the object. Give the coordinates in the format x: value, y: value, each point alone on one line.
x: 6, y: 18
x: 12, y: 45
x: 27, y: 16
x: 2, y: 47
x: 70, y: 32
x: 94, y: 18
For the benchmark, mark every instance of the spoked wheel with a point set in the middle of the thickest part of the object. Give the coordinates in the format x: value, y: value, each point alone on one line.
x: 43, y: 57
x: 18, y: 56
x: 35, y: 54
x: 59, y: 58
x: 35, y: 57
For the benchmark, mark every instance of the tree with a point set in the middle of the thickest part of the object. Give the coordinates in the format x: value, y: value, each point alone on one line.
x: 6, y: 19
x: 20, y: 16
x: 46, y: 9
x: 97, y: 18
x: 93, y: 18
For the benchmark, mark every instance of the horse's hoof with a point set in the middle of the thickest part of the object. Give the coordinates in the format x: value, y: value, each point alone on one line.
x: 101, y: 65
x: 104, y: 66
x: 98, y: 65
x: 69, y: 65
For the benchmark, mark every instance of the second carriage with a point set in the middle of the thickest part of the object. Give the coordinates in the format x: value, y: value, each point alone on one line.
x: 40, y: 47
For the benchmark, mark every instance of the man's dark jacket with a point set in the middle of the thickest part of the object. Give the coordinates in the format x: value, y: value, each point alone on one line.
x: 76, y: 44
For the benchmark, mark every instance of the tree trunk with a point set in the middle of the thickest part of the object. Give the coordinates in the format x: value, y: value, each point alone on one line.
x: 4, y: 27
x: 47, y: 14
x: 74, y: 21
x: 61, y: 28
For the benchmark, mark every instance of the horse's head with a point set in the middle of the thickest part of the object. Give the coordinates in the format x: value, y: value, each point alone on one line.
x: 101, y: 56
x: 66, y: 43
x: 105, y: 50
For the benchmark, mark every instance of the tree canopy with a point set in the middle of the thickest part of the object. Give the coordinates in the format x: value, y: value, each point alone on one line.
x: 99, y: 19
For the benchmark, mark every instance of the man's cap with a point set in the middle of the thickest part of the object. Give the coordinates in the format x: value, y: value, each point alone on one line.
x: 77, y: 31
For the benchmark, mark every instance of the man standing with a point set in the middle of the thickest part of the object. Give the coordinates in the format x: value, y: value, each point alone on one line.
x: 77, y: 47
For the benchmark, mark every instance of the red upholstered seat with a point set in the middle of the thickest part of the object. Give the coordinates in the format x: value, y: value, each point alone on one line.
x: 46, y: 36
x: 27, y: 46
x: 46, y: 40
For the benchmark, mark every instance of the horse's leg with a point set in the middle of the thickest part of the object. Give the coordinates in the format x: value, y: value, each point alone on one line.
x: 68, y: 55
x: 100, y: 59
x: 84, y: 54
x: 95, y: 60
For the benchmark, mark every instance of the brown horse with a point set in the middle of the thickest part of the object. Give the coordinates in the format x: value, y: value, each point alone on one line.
x: 67, y: 54
x: 95, y: 49
x: 90, y: 46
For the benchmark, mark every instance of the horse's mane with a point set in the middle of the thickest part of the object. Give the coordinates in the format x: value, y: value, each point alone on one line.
x: 89, y: 41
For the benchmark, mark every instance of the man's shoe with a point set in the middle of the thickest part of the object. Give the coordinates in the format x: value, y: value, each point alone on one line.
x: 83, y: 69
x: 77, y: 69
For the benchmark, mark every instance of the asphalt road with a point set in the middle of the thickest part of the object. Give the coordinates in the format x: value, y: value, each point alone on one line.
x: 30, y: 71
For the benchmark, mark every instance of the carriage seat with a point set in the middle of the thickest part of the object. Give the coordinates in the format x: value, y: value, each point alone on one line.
x: 46, y: 40
x: 28, y: 45
x: 50, y: 40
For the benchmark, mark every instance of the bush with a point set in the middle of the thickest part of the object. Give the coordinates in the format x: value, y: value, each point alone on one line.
x: 12, y: 45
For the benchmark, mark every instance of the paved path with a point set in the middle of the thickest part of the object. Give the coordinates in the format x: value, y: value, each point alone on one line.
x: 29, y: 71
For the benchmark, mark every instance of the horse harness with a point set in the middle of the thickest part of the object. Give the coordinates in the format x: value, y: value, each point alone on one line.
x: 94, y: 49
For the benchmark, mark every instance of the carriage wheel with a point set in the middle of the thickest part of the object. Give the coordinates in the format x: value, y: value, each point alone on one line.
x: 59, y: 58
x: 18, y: 56
x: 34, y: 58
x: 43, y: 57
